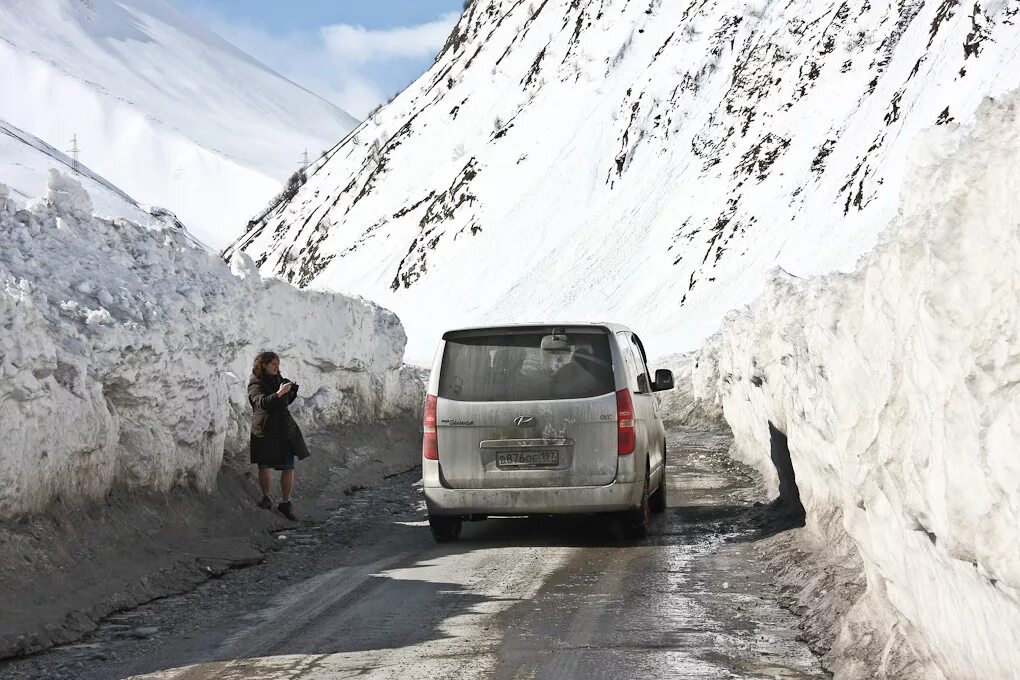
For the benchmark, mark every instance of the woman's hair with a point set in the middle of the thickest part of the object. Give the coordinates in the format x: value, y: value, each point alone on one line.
x: 259, y: 367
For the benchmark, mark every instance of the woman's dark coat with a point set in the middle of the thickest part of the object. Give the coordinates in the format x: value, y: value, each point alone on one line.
x: 274, y: 434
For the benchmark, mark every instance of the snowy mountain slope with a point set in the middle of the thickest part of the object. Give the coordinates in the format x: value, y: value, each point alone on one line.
x: 25, y: 164
x: 643, y: 161
x: 898, y: 386
x: 162, y: 107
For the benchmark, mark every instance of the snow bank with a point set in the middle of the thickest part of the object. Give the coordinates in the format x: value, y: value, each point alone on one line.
x: 899, y: 388
x: 680, y: 407
x: 125, y: 353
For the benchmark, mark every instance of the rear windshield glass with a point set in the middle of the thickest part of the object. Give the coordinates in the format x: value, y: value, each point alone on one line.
x: 514, y: 367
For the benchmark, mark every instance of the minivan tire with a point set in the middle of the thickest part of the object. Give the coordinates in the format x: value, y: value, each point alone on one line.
x: 445, y: 528
x: 657, y: 501
x: 635, y: 522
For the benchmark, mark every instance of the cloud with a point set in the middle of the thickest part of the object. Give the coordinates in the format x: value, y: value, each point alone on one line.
x: 354, y: 67
x: 359, y: 44
x: 358, y: 93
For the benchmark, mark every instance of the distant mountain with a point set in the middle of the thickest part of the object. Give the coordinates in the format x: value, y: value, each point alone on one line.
x: 647, y: 162
x: 162, y: 107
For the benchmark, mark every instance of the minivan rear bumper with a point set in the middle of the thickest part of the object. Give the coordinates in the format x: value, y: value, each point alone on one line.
x: 535, y: 500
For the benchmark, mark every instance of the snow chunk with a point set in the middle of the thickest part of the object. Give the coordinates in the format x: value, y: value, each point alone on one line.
x: 242, y: 266
x: 98, y: 317
x: 67, y: 195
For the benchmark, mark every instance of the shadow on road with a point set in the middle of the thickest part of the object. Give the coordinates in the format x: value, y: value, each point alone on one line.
x: 750, y: 522
x: 587, y: 531
x: 735, y: 522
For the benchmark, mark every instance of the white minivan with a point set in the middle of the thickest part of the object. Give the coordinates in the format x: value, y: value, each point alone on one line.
x: 543, y: 419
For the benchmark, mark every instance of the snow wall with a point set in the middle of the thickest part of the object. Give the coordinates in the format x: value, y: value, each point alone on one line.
x: 680, y: 407
x: 898, y: 386
x: 125, y: 354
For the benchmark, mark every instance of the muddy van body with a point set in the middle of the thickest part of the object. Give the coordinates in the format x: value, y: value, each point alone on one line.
x: 543, y: 419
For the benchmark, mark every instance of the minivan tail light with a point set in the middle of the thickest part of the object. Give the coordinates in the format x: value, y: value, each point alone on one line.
x: 625, y: 422
x: 430, y: 442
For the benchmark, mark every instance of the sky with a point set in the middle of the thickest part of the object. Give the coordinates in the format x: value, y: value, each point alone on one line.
x: 356, y: 54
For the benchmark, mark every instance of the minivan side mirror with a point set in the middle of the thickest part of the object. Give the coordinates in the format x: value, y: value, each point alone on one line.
x: 663, y: 380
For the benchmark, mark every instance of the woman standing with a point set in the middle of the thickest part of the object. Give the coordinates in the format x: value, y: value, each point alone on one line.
x: 275, y: 438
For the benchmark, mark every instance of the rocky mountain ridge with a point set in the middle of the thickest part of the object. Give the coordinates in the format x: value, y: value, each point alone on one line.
x: 645, y: 161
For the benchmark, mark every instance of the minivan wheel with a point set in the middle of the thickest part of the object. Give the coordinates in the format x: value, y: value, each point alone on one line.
x: 445, y: 528
x: 635, y: 522
x: 657, y: 501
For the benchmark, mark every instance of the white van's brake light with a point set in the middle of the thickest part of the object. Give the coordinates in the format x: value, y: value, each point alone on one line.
x: 625, y: 422
x: 430, y: 442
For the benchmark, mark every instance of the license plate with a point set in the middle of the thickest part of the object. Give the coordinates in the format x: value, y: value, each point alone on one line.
x: 518, y: 459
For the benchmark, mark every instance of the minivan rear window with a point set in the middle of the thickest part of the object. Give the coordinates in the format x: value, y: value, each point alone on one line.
x: 514, y: 367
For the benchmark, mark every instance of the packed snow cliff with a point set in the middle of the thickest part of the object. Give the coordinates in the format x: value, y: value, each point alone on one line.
x: 126, y: 350
x: 644, y: 162
x: 898, y: 386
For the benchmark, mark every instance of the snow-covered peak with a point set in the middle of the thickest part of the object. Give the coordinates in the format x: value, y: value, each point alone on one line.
x: 160, y: 105
x: 647, y: 162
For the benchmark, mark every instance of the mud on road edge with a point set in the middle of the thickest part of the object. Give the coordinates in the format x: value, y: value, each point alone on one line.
x: 825, y: 585
x: 819, y: 582
x: 63, y: 571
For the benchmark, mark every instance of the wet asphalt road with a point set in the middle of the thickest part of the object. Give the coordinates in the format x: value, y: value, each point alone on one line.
x: 514, y: 598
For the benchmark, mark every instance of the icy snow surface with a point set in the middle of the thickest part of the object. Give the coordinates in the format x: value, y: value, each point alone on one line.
x: 166, y: 110
x: 126, y: 351
x: 646, y: 162
x: 898, y: 386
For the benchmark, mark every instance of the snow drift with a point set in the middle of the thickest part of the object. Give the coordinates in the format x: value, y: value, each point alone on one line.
x: 647, y: 162
x: 898, y: 386
x: 165, y: 109
x: 126, y: 350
